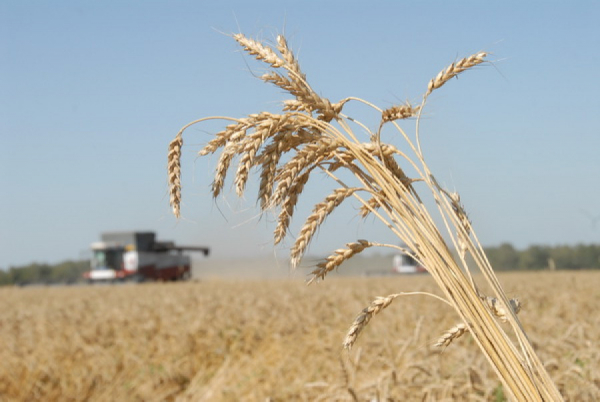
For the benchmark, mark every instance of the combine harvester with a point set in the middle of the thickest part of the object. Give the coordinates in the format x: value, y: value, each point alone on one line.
x: 404, y: 264
x: 401, y: 264
x: 137, y: 256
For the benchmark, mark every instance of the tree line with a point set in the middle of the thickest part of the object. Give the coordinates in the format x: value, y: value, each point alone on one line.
x: 66, y: 272
x: 580, y: 256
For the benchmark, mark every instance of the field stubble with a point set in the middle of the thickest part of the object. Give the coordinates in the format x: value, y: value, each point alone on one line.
x: 280, y: 340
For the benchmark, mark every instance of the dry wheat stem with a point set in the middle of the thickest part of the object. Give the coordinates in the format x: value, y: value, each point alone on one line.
x: 451, y: 282
x: 495, y: 307
x: 395, y: 216
x: 394, y: 229
x: 475, y: 250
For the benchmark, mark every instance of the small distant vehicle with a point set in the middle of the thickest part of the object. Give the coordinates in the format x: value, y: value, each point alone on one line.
x: 405, y: 264
x: 137, y: 256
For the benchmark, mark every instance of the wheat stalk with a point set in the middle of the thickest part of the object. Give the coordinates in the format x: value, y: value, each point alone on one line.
x: 319, y: 137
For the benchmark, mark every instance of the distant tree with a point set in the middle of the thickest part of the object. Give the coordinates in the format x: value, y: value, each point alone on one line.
x: 5, y: 278
x: 64, y: 272
x: 586, y: 256
x: 503, y: 257
x: 563, y: 257
x: 534, y: 257
x: 69, y: 271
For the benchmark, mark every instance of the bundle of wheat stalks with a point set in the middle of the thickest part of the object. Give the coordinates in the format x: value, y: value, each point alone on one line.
x: 314, y: 135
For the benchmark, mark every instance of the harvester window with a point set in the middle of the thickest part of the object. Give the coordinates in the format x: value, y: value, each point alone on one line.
x: 108, y: 259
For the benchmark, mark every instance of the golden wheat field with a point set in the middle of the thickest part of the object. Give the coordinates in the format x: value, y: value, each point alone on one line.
x: 280, y: 340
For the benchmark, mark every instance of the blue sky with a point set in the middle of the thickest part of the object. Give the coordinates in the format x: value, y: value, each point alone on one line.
x: 92, y: 92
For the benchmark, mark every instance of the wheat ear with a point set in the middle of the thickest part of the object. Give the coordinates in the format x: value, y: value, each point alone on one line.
x: 174, y: 170
x: 453, y: 333
x: 320, y: 212
x: 453, y: 70
x: 363, y: 318
x: 338, y: 257
x: 399, y: 112
x: 258, y: 50
x: 361, y: 321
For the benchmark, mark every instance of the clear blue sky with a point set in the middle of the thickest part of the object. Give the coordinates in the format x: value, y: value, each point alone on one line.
x: 92, y: 92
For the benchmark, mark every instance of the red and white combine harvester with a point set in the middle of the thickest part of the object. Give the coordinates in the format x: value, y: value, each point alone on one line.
x: 138, y: 256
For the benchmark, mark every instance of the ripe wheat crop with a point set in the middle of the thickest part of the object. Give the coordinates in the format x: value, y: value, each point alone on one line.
x: 313, y: 135
x: 278, y: 340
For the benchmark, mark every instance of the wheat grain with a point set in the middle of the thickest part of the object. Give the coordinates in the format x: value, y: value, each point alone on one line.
x: 399, y: 112
x: 320, y: 212
x: 291, y: 63
x: 372, y: 203
x: 499, y: 310
x: 221, y: 172
x: 269, y: 159
x: 310, y: 154
x: 453, y: 70
x: 251, y: 144
x: 361, y: 321
x: 295, y: 106
x: 337, y: 258
x: 288, y: 205
x: 453, y: 333
x: 300, y: 91
x: 174, y: 170
x: 222, y: 137
x: 306, y: 99
x: 260, y: 51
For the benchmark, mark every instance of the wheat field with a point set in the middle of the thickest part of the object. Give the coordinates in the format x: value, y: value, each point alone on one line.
x: 280, y: 340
